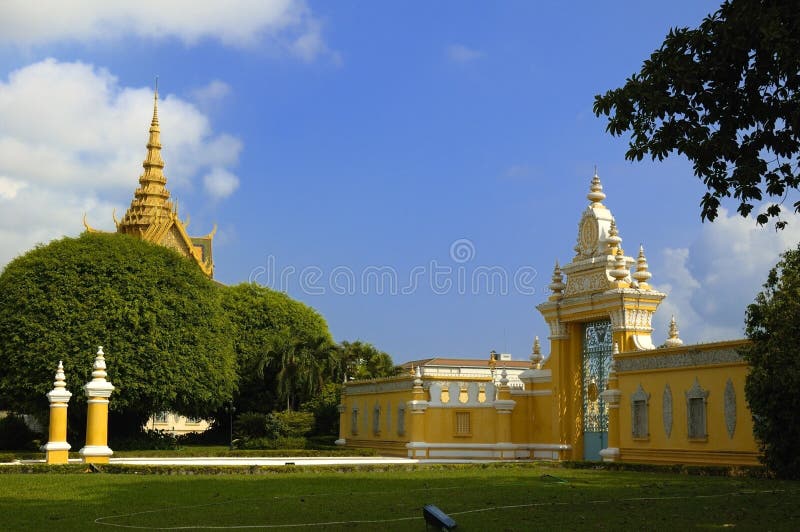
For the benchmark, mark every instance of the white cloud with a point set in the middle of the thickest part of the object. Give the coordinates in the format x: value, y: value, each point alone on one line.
x: 463, y: 54
x: 72, y: 140
x: 219, y: 183
x: 710, y: 283
x: 284, y: 24
x: 214, y: 91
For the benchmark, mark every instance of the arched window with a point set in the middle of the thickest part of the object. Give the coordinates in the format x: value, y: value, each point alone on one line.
x: 639, y: 414
x: 401, y: 420
x: 696, y: 412
x: 376, y: 419
x: 354, y: 421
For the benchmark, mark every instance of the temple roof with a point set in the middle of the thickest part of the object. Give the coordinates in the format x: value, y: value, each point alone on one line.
x: 153, y: 217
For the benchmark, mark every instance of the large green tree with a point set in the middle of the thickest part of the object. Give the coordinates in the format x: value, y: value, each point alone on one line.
x: 773, y: 384
x: 727, y: 96
x: 362, y: 360
x: 160, y: 320
x: 283, y: 348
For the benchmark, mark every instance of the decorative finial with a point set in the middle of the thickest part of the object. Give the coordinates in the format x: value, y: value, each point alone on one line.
x: 557, y: 286
x: 641, y: 274
x: 613, y: 239
x: 615, y: 349
x: 99, y: 365
x: 60, y: 382
x: 503, y: 377
x: 536, y: 354
x: 417, y: 377
x: 673, y: 340
x: 154, y: 123
x: 596, y: 194
x: 620, y: 271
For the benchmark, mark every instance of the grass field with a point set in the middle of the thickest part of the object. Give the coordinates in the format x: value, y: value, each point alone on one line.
x: 494, y: 497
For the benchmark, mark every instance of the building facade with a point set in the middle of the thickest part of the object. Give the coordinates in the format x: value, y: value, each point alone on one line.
x: 605, y: 392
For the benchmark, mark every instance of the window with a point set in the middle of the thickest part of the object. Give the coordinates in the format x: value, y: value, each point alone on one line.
x: 376, y: 419
x: 161, y: 417
x: 696, y: 403
x: 401, y: 420
x: 354, y: 421
x: 193, y: 420
x: 463, y: 426
x: 639, y: 419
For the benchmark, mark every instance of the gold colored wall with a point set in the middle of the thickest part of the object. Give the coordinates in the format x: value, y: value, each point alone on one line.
x: 711, y: 366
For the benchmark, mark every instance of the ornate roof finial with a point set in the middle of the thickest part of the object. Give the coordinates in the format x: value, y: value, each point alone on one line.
x: 673, y: 340
x: 620, y: 271
x: 641, y: 274
x: 596, y: 194
x: 613, y: 239
x: 557, y: 286
x: 151, y: 200
x: 536, y: 354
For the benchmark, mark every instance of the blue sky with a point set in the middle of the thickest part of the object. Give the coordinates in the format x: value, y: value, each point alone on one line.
x: 339, y: 144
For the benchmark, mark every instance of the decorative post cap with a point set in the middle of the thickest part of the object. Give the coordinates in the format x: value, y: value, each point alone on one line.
x: 99, y: 386
x: 536, y: 354
x: 504, y: 377
x: 673, y: 340
x: 59, y: 393
x: 417, y: 377
x: 642, y: 275
x: 557, y: 286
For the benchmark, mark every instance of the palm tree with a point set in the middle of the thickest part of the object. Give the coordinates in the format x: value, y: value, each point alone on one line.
x: 301, y: 365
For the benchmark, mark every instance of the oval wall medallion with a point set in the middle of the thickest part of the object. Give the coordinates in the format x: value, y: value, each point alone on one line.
x: 666, y: 413
x: 730, y: 408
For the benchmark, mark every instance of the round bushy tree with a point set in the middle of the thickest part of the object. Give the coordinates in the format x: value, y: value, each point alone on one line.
x: 160, y: 320
x: 284, y: 349
x: 773, y: 384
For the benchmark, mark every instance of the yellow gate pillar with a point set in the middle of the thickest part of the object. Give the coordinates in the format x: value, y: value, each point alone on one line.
x: 417, y: 447
x: 611, y: 396
x: 57, y: 448
x: 98, y: 390
x: 503, y: 406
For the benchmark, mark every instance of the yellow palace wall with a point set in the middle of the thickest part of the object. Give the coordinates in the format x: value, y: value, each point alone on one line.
x: 390, y: 395
x: 674, y: 372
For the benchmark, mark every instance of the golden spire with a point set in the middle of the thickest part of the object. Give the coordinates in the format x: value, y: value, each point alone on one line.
x: 151, y: 203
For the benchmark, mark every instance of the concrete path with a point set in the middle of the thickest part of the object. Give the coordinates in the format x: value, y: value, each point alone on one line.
x: 271, y: 461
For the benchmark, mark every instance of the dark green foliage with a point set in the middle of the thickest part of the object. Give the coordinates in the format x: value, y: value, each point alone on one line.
x: 726, y: 95
x: 773, y: 384
x: 144, y: 439
x: 284, y: 442
x: 325, y: 407
x: 362, y: 360
x: 166, y: 337
x: 15, y: 435
x: 283, y: 348
x: 289, y: 424
x: 250, y: 425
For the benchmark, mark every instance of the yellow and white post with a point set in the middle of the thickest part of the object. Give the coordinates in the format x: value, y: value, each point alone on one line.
x: 98, y: 390
x: 57, y: 448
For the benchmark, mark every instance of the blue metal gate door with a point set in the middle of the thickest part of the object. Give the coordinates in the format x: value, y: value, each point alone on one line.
x: 597, y: 348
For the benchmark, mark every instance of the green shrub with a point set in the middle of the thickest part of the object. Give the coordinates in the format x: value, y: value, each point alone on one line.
x: 283, y: 442
x: 289, y: 424
x: 145, y: 440
x: 251, y: 425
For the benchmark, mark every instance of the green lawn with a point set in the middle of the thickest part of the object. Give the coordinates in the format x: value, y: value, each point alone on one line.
x: 505, y: 497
